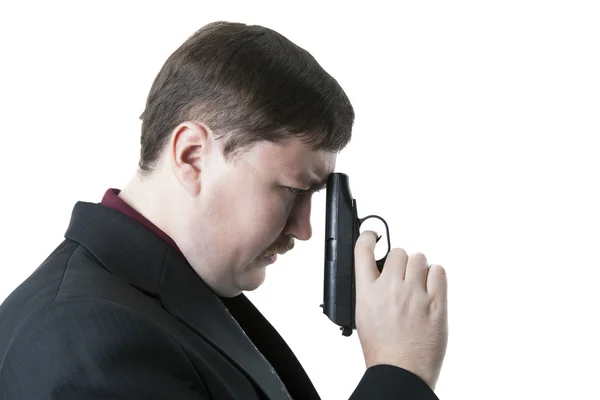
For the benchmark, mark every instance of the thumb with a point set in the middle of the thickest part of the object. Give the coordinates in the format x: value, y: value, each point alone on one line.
x: 365, y: 266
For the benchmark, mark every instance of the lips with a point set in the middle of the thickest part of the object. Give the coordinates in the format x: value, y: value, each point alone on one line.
x: 270, y: 258
x: 280, y: 248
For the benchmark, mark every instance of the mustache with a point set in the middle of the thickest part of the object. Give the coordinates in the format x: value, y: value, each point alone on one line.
x: 281, y: 247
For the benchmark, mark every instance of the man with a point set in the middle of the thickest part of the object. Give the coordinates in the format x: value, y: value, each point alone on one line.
x: 144, y: 297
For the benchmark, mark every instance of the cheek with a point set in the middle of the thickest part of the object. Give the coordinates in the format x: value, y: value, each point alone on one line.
x: 250, y: 211
x: 270, y: 214
x: 269, y: 217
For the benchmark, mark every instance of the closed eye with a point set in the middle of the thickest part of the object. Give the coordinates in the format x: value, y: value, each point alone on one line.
x: 296, y: 191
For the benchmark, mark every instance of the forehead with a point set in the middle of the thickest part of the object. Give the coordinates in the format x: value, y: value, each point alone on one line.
x: 296, y: 160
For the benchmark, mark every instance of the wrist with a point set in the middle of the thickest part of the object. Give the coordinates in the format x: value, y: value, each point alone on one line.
x: 427, y: 378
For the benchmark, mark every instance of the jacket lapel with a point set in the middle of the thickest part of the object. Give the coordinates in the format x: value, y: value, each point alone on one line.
x: 188, y: 298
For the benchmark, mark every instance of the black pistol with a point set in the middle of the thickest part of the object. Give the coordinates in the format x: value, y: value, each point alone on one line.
x: 341, y: 232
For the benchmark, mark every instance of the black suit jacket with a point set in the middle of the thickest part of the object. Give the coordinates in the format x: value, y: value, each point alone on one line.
x: 117, y: 313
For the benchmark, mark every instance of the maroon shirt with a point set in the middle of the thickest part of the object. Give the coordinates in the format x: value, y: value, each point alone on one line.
x: 111, y: 199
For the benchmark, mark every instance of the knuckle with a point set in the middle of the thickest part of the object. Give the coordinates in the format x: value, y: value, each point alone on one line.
x: 436, y: 308
x: 417, y: 261
x: 366, y: 236
x: 418, y: 256
x: 364, y: 242
x: 437, y: 269
x: 397, y: 251
x: 361, y: 245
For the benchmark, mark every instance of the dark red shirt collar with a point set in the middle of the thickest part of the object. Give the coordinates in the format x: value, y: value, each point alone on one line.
x: 111, y: 199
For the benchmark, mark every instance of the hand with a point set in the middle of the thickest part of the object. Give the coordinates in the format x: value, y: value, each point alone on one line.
x: 402, y: 313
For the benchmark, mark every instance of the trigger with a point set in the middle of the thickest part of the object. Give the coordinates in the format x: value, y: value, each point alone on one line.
x: 380, y: 263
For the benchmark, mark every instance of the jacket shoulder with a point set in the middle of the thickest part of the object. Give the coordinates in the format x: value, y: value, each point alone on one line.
x: 70, y: 275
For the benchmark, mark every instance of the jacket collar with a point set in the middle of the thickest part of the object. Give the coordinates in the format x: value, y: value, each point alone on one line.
x: 135, y: 254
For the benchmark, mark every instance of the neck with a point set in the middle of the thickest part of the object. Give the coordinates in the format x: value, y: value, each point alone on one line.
x: 144, y: 194
x: 163, y: 202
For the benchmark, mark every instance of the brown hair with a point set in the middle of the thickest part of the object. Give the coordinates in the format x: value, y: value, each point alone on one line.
x: 247, y: 83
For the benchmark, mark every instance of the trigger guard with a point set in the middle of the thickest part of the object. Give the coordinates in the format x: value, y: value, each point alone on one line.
x: 387, y: 233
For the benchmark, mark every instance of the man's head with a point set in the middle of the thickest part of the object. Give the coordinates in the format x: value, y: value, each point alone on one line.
x: 238, y: 120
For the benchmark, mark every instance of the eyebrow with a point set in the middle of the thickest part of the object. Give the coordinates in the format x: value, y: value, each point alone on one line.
x: 304, y: 177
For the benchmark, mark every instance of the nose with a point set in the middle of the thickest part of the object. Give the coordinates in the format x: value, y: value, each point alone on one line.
x: 298, y: 223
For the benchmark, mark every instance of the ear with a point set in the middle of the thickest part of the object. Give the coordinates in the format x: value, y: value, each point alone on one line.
x: 190, y: 143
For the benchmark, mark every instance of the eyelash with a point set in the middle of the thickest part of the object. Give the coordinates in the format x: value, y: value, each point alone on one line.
x: 297, y: 192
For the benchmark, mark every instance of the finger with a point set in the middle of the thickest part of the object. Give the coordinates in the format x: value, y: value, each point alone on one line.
x: 416, y: 270
x: 364, y: 258
x: 395, y: 263
x: 437, y: 281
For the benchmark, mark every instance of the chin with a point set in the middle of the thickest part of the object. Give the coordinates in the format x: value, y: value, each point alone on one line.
x: 253, y: 278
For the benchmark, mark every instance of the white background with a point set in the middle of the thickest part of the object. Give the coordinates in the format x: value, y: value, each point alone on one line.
x: 476, y: 138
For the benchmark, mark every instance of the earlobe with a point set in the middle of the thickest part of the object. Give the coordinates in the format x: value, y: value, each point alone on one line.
x: 188, y: 145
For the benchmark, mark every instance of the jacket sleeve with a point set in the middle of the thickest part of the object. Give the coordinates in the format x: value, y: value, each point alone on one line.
x: 388, y: 382
x: 95, y: 349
